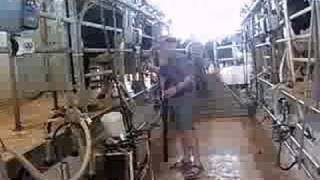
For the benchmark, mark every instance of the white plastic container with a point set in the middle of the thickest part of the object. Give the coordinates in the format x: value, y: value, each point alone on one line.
x: 113, y: 124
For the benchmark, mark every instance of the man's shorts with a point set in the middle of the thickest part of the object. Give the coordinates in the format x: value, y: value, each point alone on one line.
x: 184, y: 111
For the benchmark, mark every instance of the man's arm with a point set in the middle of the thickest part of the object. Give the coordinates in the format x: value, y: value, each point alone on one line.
x: 154, y: 69
x: 188, y: 80
x: 162, y: 82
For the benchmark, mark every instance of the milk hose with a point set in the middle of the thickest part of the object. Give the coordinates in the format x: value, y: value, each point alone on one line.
x: 38, y: 175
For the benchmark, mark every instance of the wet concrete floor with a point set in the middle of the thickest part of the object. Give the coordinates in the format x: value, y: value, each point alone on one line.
x: 233, y: 149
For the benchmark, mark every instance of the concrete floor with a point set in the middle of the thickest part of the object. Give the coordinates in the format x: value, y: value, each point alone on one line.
x: 233, y: 149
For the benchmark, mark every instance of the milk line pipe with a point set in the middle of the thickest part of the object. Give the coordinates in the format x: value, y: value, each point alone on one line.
x: 310, y: 158
x: 292, y: 97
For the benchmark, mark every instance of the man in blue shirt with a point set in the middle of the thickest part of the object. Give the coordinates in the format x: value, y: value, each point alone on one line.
x: 178, y: 85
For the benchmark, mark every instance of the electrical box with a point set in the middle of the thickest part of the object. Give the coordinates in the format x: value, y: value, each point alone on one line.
x: 26, y: 44
x: 19, y: 15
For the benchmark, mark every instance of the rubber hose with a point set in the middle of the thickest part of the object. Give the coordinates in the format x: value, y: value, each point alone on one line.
x: 54, y: 136
x: 28, y: 166
x: 87, y: 156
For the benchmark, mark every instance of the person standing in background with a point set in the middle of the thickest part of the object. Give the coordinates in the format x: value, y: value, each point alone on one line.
x: 179, y: 86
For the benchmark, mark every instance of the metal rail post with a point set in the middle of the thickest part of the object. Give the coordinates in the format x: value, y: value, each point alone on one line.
x: 289, y: 42
x: 13, y: 80
x: 165, y: 114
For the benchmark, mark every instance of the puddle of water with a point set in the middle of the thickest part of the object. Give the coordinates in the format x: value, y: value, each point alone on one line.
x: 224, y: 167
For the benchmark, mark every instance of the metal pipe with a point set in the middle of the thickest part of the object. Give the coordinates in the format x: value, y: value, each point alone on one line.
x: 296, y: 37
x: 263, y: 44
x: 226, y: 59
x: 289, y: 43
x: 104, y: 50
x: 312, y: 60
x: 293, y: 153
x: 83, y: 23
x: 300, y: 13
x: 53, y: 50
x: 137, y: 9
x: 253, y: 8
x: 13, y: 80
x: 305, y: 153
x: 101, y: 73
x: 307, y: 81
x: 227, y: 46
x: 309, y: 157
x: 143, y: 34
x: 292, y: 97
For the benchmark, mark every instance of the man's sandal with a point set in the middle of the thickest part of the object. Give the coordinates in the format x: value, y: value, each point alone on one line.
x: 193, y: 172
x: 181, y: 164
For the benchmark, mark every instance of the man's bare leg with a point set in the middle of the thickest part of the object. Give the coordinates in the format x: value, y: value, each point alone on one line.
x: 193, y: 149
x: 196, y: 148
x: 179, y: 146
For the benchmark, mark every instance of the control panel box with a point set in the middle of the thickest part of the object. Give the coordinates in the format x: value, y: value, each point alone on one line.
x: 19, y: 15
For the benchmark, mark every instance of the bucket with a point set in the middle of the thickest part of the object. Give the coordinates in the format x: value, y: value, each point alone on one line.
x: 113, y: 124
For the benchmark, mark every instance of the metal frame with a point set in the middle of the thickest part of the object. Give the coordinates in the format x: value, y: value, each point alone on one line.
x: 234, y: 48
x: 252, y: 47
x: 73, y: 25
x: 76, y: 51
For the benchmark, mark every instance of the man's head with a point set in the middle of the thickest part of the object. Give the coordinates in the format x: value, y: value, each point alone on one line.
x: 167, y: 49
x: 195, y: 50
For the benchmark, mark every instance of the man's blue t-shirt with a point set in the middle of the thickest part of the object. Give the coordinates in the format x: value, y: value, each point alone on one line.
x: 176, y: 71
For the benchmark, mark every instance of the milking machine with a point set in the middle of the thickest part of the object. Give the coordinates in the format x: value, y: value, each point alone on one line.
x: 119, y: 136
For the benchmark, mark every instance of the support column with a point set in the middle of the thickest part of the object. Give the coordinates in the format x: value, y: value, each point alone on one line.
x: 12, y: 45
x: 288, y: 35
x: 77, y: 49
x: 118, y: 60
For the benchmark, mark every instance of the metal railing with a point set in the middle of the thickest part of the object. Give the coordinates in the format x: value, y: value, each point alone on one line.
x: 282, y: 46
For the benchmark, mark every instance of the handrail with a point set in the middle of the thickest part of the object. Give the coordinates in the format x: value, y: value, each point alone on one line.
x: 83, y: 23
x: 292, y: 97
x: 310, y: 158
x: 300, y: 13
x: 110, y: 109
